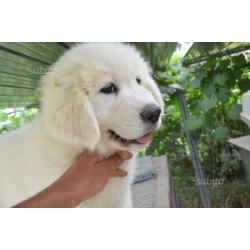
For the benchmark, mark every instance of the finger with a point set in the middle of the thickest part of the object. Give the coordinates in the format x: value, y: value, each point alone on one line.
x: 112, y: 163
x: 119, y: 173
x: 125, y: 155
x: 94, y: 156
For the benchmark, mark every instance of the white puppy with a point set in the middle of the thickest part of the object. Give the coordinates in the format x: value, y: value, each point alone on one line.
x: 98, y: 96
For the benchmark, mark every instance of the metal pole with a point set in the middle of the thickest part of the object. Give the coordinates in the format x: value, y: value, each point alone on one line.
x: 194, y: 152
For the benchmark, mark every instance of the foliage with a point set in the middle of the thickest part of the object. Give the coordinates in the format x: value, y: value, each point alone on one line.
x: 11, y: 119
x: 233, y: 193
x: 213, y: 92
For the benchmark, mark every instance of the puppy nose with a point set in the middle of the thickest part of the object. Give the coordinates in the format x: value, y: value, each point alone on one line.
x: 151, y: 113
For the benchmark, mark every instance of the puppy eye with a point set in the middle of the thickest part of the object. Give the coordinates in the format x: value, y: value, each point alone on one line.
x: 138, y: 80
x: 111, y: 88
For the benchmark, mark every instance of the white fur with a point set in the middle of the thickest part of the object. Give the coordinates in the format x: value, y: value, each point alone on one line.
x: 75, y: 117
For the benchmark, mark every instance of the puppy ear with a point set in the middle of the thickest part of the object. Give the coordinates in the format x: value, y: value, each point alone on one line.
x: 69, y: 116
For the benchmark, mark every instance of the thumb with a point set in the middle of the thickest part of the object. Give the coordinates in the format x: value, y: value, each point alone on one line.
x: 116, y: 160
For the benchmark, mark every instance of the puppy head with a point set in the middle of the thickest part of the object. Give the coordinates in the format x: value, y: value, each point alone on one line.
x: 101, y: 93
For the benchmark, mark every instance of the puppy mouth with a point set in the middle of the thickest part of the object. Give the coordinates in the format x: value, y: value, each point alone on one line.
x: 147, y: 138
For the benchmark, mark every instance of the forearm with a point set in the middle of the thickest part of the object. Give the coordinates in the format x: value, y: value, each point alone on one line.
x: 58, y: 195
x: 86, y: 178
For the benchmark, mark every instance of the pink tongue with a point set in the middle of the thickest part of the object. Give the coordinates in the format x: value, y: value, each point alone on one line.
x: 145, y: 139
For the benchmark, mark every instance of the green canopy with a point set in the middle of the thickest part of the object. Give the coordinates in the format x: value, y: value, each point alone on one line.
x: 202, y: 51
x: 158, y: 54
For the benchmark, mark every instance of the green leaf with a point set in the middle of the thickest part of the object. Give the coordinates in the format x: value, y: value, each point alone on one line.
x: 239, y: 61
x: 195, y: 83
x: 234, y: 112
x: 15, y: 121
x: 221, y: 78
x: 194, y: 123
x: 176, y: 86
x: 183, y: 76
x: 196, y: 107
x: 209, y: 90
x: 198, y: 78
x: 221, y: 133
x: 225, y: 64
x: 175, y: 59
x: 210, y: 64
x: 244, y: 85
x: 3, y: 116
x: 223, y: 94
x: 170, y: 110
x: 209, y: 121
x: 209, y: 103
x: 167, y: 90
x: 224, y: 156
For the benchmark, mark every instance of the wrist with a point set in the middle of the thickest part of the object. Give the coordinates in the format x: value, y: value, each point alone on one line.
x: 70, y: 192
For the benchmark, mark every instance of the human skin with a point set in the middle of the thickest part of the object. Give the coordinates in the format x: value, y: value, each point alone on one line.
x: 87, y: 176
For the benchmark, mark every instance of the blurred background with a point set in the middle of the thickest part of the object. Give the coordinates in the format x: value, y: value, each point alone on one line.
x: 212, y: 77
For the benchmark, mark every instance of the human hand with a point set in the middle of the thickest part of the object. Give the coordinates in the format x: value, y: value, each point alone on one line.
x: 90, y: 173
x: 86, y: 177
